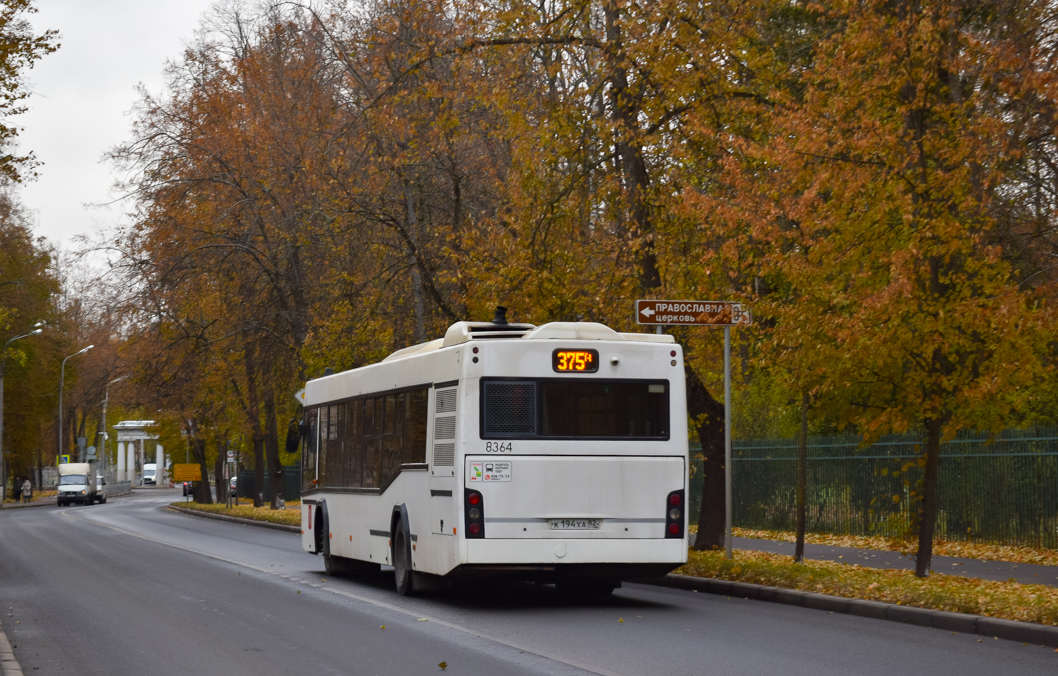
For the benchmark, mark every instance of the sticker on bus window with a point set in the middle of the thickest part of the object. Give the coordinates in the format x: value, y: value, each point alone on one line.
x: 490, y: 470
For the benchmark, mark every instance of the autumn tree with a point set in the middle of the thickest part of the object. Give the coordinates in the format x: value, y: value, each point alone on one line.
x: 20, y: 48
x: 878, y: 216
x: 28, y: 289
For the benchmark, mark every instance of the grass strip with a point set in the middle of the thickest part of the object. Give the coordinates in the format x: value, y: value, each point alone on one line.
x: 288, y: 517
x: 965, y: 550
x: 1007, y: 600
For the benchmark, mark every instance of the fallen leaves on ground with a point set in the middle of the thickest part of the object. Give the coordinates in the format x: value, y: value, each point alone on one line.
x: 1007, y: 600
x: 37, y: 495
x: 289, y: 517
x: 965, y: 550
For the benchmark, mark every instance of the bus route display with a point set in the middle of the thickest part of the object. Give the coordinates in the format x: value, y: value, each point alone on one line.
x: 575, y: 361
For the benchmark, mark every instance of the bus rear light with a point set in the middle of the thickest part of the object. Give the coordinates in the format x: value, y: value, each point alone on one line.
x: 674, y: 518
x: 474, y: 513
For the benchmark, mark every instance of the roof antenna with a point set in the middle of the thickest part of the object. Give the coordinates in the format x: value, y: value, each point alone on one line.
x: 328, y: 372
x: 501, y: 315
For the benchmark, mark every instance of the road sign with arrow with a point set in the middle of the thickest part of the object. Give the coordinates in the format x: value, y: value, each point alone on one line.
x: 692, y: 313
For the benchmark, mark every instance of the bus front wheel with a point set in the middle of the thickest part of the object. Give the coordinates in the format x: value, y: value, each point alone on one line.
x: 402, y: 574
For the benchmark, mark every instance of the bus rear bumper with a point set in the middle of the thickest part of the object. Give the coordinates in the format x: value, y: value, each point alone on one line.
x: 570, y: 552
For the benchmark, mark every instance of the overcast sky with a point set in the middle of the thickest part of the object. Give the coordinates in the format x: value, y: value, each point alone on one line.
x: 82, y: 95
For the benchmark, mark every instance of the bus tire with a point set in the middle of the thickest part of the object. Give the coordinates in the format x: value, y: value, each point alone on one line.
x: 402, y: 573
x: 333, y: 565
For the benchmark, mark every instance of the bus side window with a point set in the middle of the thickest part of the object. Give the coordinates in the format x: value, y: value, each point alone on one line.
x: 379, y: 416
x: 399, y: 415
x: 372, y: 458
x: 322, y: 436
x: 309, y: 450
x: 415, y: 426
x: 352, y: 450
x: 369, y: 417
x: 391, y: 413
x: 391, y: 458
x: 336, y: 471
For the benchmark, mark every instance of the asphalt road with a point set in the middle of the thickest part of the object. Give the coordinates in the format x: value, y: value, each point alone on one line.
x: 129, y: 588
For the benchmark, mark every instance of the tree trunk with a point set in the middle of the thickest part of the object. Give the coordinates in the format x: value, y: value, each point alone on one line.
x: 802, y: 481
x: 258, y: 469
x: 40, y: 456
x: 202, y: 493
x: 708, y: 414
x: 927, y: 515
x: 624, y: 115
x: 218, y: 472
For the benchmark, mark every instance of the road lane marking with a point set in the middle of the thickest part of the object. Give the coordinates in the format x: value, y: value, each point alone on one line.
x: 77, y: 515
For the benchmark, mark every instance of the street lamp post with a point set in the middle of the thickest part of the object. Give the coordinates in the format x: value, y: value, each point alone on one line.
x: 3, y: 366
x: 62, y: 381
x: 103, y: 441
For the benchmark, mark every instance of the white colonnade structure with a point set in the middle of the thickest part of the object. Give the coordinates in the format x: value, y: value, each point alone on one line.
x: 133, y: 436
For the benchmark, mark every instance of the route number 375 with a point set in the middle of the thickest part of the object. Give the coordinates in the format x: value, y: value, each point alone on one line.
x: 498, y: 447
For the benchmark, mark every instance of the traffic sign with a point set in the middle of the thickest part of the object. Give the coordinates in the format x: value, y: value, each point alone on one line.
x: 91, y: 451
x: 64, y: 460
x: 187, y: 472
x: 231, y: 455
x: 692, y: 313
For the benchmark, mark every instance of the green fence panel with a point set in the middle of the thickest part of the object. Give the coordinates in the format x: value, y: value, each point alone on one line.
x: 1001, y: 489
x: 291, y: 483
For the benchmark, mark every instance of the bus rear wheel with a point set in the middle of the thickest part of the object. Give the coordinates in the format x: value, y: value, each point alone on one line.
x: 402, y: 574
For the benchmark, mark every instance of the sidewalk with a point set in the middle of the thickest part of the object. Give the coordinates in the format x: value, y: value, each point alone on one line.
x: 41, y: 502
x: 1002, y: 571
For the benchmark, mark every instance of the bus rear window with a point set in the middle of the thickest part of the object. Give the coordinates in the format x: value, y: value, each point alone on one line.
x: 574, y: 409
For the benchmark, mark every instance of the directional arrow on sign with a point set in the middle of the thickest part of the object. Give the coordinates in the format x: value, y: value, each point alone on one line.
x: 647, y: 312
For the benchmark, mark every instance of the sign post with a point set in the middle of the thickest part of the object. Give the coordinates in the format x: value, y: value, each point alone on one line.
x: 705, y: 313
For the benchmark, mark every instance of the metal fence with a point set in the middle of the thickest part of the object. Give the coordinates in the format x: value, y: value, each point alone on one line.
x: 291, y: 483
x: 1001, y: 489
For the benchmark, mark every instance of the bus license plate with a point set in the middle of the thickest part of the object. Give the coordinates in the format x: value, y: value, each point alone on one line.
x: 574, y: 524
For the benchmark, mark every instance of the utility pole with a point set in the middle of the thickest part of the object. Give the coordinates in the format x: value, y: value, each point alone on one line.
x: 62, y: 381
x: 103, y: 440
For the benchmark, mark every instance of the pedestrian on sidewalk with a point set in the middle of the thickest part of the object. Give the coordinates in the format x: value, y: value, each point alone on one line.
x: 27, y: 490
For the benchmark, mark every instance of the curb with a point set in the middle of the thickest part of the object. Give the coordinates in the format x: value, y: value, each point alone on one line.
x: 236, y: 519
x: 8, y: 664
x: 1011, y: 630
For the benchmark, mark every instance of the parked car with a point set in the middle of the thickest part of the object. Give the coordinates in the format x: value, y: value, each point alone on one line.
x: 101, y: 488
x: 189, y: 488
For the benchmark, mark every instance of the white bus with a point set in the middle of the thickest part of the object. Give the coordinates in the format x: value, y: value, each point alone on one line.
x: 556, y: 453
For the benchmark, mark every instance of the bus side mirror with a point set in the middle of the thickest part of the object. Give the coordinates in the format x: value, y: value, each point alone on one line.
x: 293, y: 436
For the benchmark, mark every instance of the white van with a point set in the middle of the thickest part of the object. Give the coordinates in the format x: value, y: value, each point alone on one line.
x: 101, y: 488
x: 74, y: 484
x: 150, y: 474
